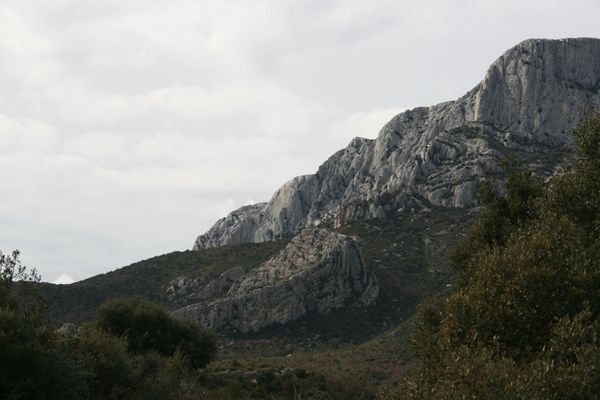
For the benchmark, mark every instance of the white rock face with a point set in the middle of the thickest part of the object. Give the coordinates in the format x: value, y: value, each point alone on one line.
x: 530, y: 100
x: 239, y: 226
x: 318, y: 271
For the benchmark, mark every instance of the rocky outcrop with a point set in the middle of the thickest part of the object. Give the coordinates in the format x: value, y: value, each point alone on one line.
x: 528, y: 103
x: 191, y: 289
x: 380, y: 208
x: 239, y: 226
x: 67, y: 329
x: 318, y: 271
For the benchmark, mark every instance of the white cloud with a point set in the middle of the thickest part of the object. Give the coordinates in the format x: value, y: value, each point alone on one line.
x: 362, y: 124
x: 26, y: 135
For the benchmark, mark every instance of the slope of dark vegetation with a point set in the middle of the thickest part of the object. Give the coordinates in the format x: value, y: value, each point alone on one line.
x: 148, y: 278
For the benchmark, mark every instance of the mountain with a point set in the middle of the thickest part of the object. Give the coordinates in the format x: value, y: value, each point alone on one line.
x: 376, y: 220
x: 528, y: 103
x: 319, y: 271
x: 151, y: 279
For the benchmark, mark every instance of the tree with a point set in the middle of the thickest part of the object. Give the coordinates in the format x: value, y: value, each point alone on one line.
x: 148, y: 327
x: 18, y: 288
x: 130, y: 352
x: 524, y: 319
x: 31, y: 364
x: 506, y: 208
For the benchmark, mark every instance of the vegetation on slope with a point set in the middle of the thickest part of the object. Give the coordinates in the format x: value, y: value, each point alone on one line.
x: 134, y: 350
x: 354, y: 347
x: 148, y: 278
x: 362, y: 349
x: 407, y: 253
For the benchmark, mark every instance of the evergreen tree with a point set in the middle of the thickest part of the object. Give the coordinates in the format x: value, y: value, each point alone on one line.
x: 523, y: 322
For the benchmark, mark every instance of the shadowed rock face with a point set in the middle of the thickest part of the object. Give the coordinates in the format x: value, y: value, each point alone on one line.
x: 530, y: 100
x: 318, y: 271
x: 186, y: 289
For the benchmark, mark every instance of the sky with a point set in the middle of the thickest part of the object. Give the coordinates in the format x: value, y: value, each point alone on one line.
x: 127, y: 128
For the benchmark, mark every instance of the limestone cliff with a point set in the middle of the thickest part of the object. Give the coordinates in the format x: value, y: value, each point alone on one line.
x: 318, y: 271
x: 528, y: 103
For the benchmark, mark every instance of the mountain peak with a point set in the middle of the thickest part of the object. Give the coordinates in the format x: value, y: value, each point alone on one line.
x: 529, y: 101
x: 539, y: 86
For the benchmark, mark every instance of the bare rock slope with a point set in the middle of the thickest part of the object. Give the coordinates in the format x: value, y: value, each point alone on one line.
x: 528, y: 103
x: 318, y: 271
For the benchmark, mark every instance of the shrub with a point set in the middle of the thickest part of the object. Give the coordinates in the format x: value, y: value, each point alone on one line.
x: 148, y: 327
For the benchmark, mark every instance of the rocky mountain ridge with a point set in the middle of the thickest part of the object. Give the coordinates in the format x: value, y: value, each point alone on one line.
x: 318, y: 271
x: 528, y: 103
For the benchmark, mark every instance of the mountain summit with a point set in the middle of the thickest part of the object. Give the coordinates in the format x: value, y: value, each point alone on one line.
x: 528, y: 103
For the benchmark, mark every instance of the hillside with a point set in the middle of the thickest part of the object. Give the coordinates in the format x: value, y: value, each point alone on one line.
x: 149, y: 278
x: 368, y: 346
x: 407, y: 254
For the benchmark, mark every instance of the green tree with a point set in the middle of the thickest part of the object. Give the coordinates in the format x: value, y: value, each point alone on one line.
x: 19, y: 291
x: 31, y: 363
x: 134, y: 351
x: 506, y: 208
x: 523, y: 322
x: 148, y: 327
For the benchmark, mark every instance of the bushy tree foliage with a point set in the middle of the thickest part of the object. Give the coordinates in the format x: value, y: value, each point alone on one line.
x: 524, y: 320
x: 134, y: 351
x: 31, y: 364
x: 148, y: 327
x: 18, y: 289
x: 506, y: 208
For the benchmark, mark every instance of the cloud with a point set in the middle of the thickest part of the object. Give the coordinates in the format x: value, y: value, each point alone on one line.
x: 128, y: 128
x: 26, y: 135
x: 362, y: 124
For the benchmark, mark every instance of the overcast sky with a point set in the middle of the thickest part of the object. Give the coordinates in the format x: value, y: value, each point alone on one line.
x: 127, y: 128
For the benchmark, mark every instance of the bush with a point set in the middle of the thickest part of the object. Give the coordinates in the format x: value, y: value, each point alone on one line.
x: 148, y: 327
x: 105, y: 360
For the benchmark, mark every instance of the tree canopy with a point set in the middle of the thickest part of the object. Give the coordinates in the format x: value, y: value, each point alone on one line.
x: 524, y: 319
x: 134, y: 350
x: 148, y: 327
